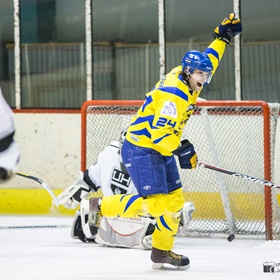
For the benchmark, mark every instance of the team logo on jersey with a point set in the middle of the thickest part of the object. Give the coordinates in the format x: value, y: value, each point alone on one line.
x: 187, y: 115
x: 191, y: 107
x: 120, y: 181
x: 169, y: 109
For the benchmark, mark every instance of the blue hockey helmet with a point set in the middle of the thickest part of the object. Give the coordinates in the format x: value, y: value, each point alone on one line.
x: 196, y: 60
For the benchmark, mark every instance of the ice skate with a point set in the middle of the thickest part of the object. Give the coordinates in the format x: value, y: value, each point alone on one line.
x: 167, y: 259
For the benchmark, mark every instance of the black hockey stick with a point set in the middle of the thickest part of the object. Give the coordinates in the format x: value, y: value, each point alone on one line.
x: 41, y: 182
x: 33, y: 226
x: 243, y: 176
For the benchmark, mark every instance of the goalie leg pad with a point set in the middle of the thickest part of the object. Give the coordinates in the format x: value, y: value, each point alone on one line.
x: 88, y: 230
x: 186, y: 215
x: 126, y: 232
x: 77, y: 229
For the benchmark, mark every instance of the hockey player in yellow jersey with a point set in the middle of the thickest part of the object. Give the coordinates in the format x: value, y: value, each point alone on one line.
x: 152, y: 140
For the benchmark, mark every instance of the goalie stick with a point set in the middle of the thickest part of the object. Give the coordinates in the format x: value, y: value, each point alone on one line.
x: 41, y: 182
x: 237, y: 174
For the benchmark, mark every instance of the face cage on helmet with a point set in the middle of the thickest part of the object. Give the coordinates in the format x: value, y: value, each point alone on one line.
x: 189, y: 71
x: 202, y: 80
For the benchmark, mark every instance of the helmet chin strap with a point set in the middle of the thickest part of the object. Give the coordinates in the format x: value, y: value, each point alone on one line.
x: 189, y: 86
x: 186, y: 78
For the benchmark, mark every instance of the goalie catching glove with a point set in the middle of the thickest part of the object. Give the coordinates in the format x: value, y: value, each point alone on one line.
x: 230, y: 27
x: 186, y: 154
x: 71, y: 197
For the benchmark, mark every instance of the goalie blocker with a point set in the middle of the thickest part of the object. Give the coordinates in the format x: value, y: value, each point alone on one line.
x: 121, y: 232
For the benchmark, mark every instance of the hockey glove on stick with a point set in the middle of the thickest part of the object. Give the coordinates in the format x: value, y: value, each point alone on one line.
x: 72, y: 195
x: 230, y: 27
x: 186, y: 154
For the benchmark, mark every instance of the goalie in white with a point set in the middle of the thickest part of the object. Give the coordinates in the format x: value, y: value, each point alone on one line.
x: 109, y: 176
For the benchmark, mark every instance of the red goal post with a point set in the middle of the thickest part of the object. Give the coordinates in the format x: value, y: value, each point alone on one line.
x: 236, y: 135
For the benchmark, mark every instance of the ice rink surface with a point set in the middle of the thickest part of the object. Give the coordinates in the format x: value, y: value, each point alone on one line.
x: 51, y: 253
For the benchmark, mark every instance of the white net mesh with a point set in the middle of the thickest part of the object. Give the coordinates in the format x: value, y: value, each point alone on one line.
x: 234, y: 136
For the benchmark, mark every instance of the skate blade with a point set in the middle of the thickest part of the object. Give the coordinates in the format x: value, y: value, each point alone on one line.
x: 164, y: 266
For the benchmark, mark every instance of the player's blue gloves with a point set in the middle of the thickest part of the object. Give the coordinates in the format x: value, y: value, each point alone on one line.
x: 230, y: 27
x: 186, y: 154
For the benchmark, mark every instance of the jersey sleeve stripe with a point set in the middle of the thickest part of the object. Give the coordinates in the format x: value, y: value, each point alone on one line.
x: 175, y: 91
x: 213, y: 52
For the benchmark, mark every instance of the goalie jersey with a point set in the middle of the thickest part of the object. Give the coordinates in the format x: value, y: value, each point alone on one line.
x: 109, y: 172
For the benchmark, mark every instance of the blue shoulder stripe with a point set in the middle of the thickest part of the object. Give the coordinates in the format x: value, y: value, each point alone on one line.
x: 180, y: 77
x: 175, y: 91
x: 213, y: 52
x: 148, y: 100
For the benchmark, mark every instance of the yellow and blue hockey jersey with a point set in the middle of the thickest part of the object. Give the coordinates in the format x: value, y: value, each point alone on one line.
x: 160, y: 121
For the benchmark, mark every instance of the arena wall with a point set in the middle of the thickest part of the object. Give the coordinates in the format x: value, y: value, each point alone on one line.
x: 50, y: 150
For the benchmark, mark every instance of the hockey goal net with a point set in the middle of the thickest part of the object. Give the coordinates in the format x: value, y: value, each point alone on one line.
x: 238, y: 136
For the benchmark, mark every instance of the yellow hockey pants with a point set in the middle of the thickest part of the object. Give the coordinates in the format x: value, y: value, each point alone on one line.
x: 164, y: 207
